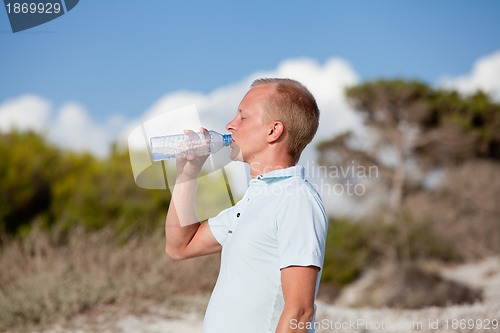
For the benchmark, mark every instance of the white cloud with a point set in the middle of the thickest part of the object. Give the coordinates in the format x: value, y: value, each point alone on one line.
x: 73, y: 128
x: 70, y: 127
x: 485, y: 75
x: 327, y: 83
x: 25, y: 112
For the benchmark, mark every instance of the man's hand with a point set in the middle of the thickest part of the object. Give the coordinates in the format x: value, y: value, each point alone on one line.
x: 185, y: 236
x: 189, y: 168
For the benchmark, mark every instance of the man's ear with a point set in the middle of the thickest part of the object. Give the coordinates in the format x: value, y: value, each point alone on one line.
x: 276, y: 130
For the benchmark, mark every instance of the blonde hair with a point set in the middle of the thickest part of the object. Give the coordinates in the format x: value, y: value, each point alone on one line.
x: 292, y: 104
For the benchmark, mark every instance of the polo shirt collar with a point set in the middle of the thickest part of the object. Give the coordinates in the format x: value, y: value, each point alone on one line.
x: 279, y: 174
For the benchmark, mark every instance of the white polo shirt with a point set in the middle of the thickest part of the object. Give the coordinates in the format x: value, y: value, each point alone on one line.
x: 280, y: 222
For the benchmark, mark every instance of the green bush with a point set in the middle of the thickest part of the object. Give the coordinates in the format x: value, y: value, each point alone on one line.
x: 353, y: 246
x: 346, y: 252
x: 67, y: 189
x: 26, y: 174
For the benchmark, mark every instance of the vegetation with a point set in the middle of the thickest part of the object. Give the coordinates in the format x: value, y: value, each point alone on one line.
x: 352, y: 247
x: 76, y: 233
x: 61, y: 189
x: 438, y: 155
x: 44, y: 280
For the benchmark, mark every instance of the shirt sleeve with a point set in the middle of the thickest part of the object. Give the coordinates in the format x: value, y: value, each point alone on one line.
x: 219, y: 225
x: 301, y: 228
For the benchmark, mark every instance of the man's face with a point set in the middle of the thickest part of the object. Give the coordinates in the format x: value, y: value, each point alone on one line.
x: 248, y: 129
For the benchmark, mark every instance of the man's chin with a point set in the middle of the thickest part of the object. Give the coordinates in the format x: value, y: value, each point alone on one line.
x: 236, y: 153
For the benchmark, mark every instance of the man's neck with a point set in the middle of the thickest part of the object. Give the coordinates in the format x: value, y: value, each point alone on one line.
x: 262, y: 167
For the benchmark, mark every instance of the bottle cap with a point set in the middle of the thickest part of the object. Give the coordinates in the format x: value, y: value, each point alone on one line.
x: 228, y: 139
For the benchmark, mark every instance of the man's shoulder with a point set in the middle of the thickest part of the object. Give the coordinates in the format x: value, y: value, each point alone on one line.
x: 303, y: 186
x: 296, y: 191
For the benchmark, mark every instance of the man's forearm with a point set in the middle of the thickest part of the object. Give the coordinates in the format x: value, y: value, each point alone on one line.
x: 295, y: 320
x: 181, y: 222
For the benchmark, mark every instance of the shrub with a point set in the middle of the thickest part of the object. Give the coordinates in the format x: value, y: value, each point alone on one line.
x: 49, y: 280
x: 346, y: 252
x: 353, y: 246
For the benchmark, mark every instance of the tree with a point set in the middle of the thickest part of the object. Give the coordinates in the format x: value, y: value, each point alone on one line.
x: 415, y: 131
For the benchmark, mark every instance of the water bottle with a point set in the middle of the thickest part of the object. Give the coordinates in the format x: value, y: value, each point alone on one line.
x: 183, y: 145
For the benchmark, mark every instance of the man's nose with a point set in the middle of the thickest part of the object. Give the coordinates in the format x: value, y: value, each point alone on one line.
x: 230, y: 126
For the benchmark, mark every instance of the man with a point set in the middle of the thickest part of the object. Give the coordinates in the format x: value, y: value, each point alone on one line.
x: 273, y: 240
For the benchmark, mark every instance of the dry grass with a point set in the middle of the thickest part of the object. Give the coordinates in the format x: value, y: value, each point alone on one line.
x: 44, y: 280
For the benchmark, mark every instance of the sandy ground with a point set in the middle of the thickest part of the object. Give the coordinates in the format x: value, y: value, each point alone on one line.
x: 481, y: 317
x: 475, y: 318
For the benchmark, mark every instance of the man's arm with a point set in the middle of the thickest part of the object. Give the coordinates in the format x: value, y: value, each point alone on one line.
x: 185, y: 236
x: 299, y: 287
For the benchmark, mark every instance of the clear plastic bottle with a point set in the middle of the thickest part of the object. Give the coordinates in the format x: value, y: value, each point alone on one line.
x: 183, y: 145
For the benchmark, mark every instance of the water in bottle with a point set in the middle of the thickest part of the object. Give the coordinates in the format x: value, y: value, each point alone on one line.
x: 183, y: 145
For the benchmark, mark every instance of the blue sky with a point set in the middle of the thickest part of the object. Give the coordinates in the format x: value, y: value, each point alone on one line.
x: 119, y: 58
